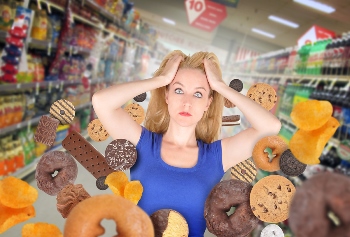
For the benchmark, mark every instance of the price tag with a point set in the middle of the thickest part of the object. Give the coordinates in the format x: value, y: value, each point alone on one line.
x: 48, y: 7
x: 18, y: 86
x: 37, y: 87
x: 50, y: 87
x: 49, y: 46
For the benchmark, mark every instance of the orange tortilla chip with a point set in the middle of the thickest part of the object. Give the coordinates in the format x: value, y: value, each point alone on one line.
x: 133, y: 191
x: 311, y: 114
x: 10, y: 216
x: 41, y: 229
x: 307, y: 146
x: 116, y: 181
x: 17, y: 193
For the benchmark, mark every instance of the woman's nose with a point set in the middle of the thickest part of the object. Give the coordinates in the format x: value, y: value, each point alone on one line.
x: 187, y: 100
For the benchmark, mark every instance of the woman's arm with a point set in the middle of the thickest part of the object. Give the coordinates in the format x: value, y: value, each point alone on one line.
x: 107, y: 102
x: 263, y: 123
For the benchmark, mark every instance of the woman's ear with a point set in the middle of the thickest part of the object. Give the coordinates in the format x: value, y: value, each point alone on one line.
x: 166, y: 92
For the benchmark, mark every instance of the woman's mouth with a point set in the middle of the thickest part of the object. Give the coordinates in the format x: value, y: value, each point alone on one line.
x: 185, y: 114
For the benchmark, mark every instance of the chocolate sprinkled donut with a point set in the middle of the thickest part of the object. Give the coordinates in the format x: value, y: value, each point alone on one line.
x: 227, y: 194
x: 321, y: 207
x: 50, y: 163
x: 120, y: 154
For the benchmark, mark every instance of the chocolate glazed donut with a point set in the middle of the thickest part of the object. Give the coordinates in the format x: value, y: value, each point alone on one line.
x: 227, y: 194
x: 321, y: 207
x: 49, y: 163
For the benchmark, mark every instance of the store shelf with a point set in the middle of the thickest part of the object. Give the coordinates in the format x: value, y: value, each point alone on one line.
x: 31, y: 85
x: 33, y: 121
x: 101, y: 10
x: 294, y: 76
x: 30, y: 168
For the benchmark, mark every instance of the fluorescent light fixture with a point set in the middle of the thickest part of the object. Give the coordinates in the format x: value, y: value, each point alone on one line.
x: 168, y: 21
x: 316, y: 5
x: 264, y: 33
x: 283, y: 21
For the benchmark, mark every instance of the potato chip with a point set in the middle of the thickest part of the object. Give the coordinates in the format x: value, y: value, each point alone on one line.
x: 133, y: 191
x: 307, y: 146
x: 116, y: 181
x: 13, y: 216
x: 17, y: 193
x: 41, y: 229
x: 311, y: 114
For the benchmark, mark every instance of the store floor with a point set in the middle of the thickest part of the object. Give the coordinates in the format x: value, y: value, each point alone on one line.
x: 45, y: 206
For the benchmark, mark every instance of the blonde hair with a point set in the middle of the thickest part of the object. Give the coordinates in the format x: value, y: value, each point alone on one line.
x: 157, y: 116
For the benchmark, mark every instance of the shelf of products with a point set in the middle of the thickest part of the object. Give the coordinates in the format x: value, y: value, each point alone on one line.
x: 33, y: 121
x: 30, y: 168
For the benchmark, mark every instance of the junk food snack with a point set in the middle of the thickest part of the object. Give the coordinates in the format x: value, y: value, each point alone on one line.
x: 63, y: 110
x: 136, y: 112
x: 168, y: 222
x: 46, y: 130
x: 263, y: 94
x: 41, y: 229
x: 120, y: 154
x: 96, y: 131
x: 245, y: 171
x: 230, y: 120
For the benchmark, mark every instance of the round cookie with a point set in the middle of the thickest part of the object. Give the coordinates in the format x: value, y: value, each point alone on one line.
x: 245, y: 171
x: 263, y: 94
x: 227, y: 194
x: 236, y: 84
x: 141, y: 97
x: 262, y: 157
x: 168, y: 222
x: 63, y: 110
x: 270, y: 198
x: 290, y: 165
x: 50, y: 163
x: 96, y: 131
x: 272, y: 230
x: 120, y: 154
x: 321, y: 207
x: 100, y: 183
x: 85, y: 218
x: 136, y: 112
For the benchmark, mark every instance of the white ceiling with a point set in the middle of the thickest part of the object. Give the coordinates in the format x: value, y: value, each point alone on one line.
x: 249, y: 14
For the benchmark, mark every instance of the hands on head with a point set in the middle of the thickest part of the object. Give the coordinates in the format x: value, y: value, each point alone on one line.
x: 172, y: 65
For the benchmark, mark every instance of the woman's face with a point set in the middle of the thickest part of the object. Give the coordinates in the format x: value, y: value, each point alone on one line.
x: 188, y: 97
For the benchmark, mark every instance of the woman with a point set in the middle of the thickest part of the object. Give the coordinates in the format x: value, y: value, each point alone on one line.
x: 179, y: 157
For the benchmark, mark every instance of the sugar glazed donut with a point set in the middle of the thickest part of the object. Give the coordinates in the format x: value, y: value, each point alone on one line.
x: 321, y: 207
x: 227, y: 194
x: 50, y: 163
x: 84, y: 220
x: 261, y: 156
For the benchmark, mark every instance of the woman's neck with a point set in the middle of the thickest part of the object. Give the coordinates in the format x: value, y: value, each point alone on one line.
x: 180, y: 136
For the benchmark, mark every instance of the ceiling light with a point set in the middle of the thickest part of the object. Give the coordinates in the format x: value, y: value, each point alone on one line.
x: 168, y: 21
x: 316, y: 5
x: 263, y: 33
x: 283, y: 21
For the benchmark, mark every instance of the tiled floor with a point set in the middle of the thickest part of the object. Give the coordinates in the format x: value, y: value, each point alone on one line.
x: 45, y: 206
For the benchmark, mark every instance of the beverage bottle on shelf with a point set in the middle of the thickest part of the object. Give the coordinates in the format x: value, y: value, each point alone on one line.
x: 291, y: 61
x: 326, y: 66
x: 346, y: 55
x: 320, y: 56
x: 336, y: 57
x: 345, y: 123
x: 310, y: 64
x: 303, y: 53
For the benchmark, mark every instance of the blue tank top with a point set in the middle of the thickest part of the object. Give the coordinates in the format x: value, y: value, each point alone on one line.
x: 181, y: 189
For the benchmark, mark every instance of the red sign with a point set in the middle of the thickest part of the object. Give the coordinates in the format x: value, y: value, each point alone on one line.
x: 314, y: 34
x: 205, y: 15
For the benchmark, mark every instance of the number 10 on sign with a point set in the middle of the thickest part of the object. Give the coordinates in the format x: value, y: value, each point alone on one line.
x: 194, y: 9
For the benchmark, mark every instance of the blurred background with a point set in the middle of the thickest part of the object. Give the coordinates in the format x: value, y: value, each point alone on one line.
x: 62, y: 49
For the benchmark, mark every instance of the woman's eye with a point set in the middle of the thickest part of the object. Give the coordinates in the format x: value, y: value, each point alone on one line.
x: 178, y: 91
x: 198, y: 95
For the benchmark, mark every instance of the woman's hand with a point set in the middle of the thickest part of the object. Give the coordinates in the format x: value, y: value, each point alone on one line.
x: 212, y: 73
x: 170, y: 69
